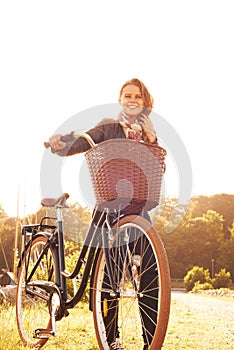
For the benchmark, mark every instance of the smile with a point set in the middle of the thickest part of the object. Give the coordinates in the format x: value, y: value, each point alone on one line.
x: 132, y: 106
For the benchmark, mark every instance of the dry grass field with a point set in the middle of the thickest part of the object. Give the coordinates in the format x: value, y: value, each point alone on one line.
x: 196, y: 322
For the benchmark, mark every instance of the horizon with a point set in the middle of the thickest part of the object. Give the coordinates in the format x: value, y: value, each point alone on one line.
x: 35, y: 210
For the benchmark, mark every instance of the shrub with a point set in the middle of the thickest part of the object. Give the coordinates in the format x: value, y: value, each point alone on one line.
x: 202, y: 286
x: 222, y: 279
x: 194, y: 275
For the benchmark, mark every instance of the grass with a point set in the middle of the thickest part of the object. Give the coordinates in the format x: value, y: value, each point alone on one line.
x: 74, y: 332
x: 189, y: 328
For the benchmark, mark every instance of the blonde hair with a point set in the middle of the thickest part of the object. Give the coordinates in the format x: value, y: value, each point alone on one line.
x: 147, y: 98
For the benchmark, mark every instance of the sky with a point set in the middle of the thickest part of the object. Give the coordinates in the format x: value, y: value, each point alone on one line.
x: 61, y: 58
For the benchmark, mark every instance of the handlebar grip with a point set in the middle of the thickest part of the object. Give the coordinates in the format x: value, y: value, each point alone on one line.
x: 73, y: 135
x: 47, y: 144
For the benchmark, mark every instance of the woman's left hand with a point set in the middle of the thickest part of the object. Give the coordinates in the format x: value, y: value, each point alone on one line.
x: 147, y: 128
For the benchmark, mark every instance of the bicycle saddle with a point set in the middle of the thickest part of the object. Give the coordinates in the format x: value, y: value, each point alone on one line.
x: 53, y: 202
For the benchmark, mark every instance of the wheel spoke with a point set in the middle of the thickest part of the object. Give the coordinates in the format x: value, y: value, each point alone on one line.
x: 32, y: 301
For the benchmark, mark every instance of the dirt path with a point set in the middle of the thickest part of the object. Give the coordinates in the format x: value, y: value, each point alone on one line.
x: 200, y: 322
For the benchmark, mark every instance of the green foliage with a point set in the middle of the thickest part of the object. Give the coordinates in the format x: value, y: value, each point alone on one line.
x: 206, y: 233
x: 70, y: 264
x: 76, y: 223
x: 221, y: 203
x: 199, y: 279
x: 225, y: 257
x: 3, y: 214
x: 222, y: 279
x: 7, y: 241
x: 72, y: 255
x: 202, y: 286
x: 231, y: 229
x: 196, y: 274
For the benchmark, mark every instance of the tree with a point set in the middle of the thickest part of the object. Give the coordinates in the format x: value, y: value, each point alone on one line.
x: 225, y: 258
x: 211, y: 236
x: 3, y: 214
x: 7, y: 239
x: 195, y: 241
x: 221, y: 203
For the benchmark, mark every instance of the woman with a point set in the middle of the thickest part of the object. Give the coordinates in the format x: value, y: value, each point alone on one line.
x: 133, y: 122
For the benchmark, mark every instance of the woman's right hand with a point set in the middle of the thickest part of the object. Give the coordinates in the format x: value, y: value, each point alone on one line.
x: 55, y: 142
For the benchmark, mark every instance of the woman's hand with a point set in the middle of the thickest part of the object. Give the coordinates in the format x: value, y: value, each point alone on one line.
x: 55, y: 142
x: 148, y: 128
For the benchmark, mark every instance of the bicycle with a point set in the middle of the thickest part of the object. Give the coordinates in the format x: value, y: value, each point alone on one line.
x: 122, y: 257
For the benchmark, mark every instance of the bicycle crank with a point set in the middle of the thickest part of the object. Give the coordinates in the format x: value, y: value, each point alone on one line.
x: 57, y: 311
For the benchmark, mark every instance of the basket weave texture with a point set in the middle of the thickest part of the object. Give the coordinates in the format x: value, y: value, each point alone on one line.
x: 127, y: 173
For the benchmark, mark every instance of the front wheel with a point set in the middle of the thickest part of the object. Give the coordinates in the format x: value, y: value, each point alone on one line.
x: 32, y: 313
x: 132, y: 310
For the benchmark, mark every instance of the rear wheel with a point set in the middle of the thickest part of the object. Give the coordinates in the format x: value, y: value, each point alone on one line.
x: 32, y: 311
x: 136, y: 313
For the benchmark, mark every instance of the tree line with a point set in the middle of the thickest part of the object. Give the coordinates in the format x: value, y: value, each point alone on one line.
x: 76, y: 219
x: 204, y: 237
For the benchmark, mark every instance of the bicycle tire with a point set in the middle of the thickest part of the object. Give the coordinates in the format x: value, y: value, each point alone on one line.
x: 31, y: 312
x: 142, y: 324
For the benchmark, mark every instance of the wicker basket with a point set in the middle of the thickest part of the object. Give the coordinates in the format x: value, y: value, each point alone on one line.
x: 127, y: 173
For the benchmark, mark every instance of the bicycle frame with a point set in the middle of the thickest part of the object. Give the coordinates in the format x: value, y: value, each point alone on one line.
x: 96, y: 237
x: 125, y: 262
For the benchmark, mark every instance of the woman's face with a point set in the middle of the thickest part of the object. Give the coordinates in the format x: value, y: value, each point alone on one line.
x: 131, y: 100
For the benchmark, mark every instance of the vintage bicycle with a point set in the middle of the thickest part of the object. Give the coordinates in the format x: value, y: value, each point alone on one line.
x: 122, y: 258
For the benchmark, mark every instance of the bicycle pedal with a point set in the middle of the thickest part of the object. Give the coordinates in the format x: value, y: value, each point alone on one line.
x: 41, y: 333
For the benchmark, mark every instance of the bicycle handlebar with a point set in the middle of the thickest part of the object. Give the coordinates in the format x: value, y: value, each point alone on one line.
x: 87, y: 137
x: 47, y: 144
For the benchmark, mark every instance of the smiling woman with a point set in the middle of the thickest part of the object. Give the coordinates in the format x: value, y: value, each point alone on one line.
x: 133, y: 123
x: 137, y: 103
